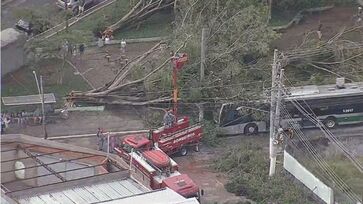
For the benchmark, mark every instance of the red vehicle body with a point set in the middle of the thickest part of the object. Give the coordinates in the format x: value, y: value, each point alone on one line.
x: 159, y: 169
x: 178, y: 138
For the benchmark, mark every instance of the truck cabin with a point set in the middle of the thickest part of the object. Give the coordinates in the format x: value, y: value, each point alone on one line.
x: 183, y: 185
x: 136, y: 142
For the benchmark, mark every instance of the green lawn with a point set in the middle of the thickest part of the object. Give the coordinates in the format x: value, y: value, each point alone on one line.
x: 22, y: 82
x: 279, y: 18
x: 157, y: 25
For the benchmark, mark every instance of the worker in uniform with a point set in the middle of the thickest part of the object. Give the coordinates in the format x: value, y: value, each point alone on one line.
x: 169, y: 119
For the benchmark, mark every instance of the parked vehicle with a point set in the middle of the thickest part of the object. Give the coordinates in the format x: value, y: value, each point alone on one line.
x: 181, y: 137
x: 72, y: 4
x: 156, y: 169
x: 24, y: 26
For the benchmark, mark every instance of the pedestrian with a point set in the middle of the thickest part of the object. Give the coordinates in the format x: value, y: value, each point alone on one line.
x: 359, y: 14
x: 74, y: 50
x: 100, y: 139
x: 18, y: 117
x: 320, y: 35
x: 81, y: 49
x: 2, y: 124
x: 81, y: 7
x: 123, y: 46
x: 23, y: 119
x: 112, y: 143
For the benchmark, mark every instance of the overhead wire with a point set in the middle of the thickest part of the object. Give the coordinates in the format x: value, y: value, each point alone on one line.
x: 342, y: 186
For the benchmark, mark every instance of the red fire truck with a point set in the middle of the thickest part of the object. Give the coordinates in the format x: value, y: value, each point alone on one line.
x: 179, y: 138
x: 156, y: 169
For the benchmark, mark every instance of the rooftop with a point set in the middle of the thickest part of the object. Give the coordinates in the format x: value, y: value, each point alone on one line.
x: 9, y: 36
x: 28, y: 100
x: 324, y: 91
x: 34, y: 170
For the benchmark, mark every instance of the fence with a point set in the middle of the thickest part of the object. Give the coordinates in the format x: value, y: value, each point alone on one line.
x: 308, y: 179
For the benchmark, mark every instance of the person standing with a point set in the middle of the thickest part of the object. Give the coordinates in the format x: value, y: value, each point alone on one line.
x: 100, y: 138
x: 81, y: 6
x: 123, y: 46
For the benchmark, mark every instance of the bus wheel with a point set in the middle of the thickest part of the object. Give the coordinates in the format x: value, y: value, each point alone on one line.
x: 183, y: 151
x: 251, y: 129
x: 330, y: 122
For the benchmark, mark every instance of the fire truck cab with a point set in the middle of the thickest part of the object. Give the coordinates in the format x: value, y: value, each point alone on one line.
x: 158, y: 169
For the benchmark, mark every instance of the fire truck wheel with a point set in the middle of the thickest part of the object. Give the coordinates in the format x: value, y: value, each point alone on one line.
x: 196, y: 148
x: 183, y: 151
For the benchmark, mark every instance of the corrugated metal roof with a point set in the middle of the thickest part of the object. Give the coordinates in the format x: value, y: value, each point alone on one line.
x: 28, y: 100
x: 88, y: 194
x: 165, y: 196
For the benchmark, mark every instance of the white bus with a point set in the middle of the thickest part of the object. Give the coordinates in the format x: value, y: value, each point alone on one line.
x: 331, y: 104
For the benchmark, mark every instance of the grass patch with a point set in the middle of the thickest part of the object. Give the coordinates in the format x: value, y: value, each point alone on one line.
x: 103, y: 17
x: 22, y: 82
x: 247, y: 167
x: 157, y: 25
x: 280, y: 18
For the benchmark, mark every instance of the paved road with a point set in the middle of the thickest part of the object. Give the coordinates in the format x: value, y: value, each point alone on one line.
x: 342, y: 131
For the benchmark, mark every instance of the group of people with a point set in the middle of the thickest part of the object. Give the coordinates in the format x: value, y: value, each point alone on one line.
x: 19, y: 118
x: 73, y: 49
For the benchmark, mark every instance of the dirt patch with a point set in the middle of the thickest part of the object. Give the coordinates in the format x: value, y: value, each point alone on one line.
x: 333, y: 21
x: 199, y: 166
x: 98, y: 70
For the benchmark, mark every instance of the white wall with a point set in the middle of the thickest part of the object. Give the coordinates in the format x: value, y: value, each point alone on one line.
x: 308, y: 179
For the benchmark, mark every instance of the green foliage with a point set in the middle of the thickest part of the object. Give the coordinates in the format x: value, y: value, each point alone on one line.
x: 39, y: 20
x: 25, y: 84
x: 247, y: 167
x: 235, y: 29
x: 210, y: 134
x: 157, y: 25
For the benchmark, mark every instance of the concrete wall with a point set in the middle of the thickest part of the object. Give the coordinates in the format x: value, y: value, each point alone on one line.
x: 308, y: 179
x: 12, y: 55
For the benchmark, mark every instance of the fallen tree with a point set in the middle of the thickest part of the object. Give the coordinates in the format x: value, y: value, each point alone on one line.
x: 120, y: 91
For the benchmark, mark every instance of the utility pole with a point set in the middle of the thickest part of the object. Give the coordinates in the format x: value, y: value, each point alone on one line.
x: 275, y: 71
x: 43, y: 112
x: 203, y: 50
x: 41, y: 96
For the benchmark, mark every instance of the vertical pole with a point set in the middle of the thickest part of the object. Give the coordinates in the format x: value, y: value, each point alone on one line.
x: 278, y: 101
x: 43, y: 112
x: 203, y: 50
x: 272, y: 115
x: 175, y: 93
x: 108, y: 144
